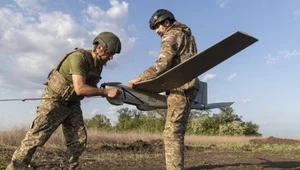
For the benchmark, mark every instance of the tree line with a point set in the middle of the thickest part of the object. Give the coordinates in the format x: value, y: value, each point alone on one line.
x: 226, y: 122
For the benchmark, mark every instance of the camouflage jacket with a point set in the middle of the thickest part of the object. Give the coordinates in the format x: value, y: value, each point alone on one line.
x: 177, y: 45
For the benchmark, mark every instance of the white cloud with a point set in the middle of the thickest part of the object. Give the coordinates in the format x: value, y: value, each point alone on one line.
x: 269, y: 59
x: 285, y: 54
x: 32, y: 43
x: 112, y: 20
x: 232, y: 76
x: 131, y: 27
x: 222, y: 3
x: 244, y: 101
x: 118, y: 9
x: 208, y: 77
x: 153, y: 53
x: 28, y: 4
x: 297, y: 12
x: 117, y: 12
x: 288, y: 54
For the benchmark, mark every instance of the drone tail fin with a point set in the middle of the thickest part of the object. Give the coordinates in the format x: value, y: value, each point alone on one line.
x: 200, y: 103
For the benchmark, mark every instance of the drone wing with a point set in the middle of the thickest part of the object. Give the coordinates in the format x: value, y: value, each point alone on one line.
x: 198, y: 64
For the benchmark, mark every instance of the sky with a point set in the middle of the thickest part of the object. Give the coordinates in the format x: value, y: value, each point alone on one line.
x: 262, y: 80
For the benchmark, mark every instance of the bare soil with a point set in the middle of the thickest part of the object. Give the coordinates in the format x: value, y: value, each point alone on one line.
x: 141, y: 155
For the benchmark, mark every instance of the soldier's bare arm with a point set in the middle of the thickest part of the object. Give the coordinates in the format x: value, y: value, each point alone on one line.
x: 82, y: 89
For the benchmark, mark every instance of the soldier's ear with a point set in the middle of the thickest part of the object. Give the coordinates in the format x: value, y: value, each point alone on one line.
x: 167, y: 22
x: 100, y: 48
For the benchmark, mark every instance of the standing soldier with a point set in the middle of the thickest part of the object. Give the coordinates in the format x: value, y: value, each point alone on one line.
x: 177, y: 45
x: 75, y: 77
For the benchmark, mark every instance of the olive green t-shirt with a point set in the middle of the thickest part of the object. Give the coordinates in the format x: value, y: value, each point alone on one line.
x: 76, y: 64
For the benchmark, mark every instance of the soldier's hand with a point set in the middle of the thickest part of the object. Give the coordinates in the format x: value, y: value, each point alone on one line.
x: 112, y: 92
x: 133, y: 81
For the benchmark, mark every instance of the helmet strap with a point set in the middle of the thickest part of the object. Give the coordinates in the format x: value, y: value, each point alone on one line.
x: 95, y: 46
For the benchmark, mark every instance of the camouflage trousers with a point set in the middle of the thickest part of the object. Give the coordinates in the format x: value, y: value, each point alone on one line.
x: 50, y: 115
x: 179, y: 106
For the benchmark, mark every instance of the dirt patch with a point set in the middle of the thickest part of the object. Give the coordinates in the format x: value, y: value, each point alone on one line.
x: 137, y: 146
x: 149, y: 155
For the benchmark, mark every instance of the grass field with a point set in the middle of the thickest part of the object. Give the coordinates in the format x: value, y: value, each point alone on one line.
x: 138, y: 150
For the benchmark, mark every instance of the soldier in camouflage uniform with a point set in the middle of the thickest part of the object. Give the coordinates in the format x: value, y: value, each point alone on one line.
x: 177, y: 45
x: 75, y: 77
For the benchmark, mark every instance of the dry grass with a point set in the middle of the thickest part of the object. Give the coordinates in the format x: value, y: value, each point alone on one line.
x: 12, y: 137
x: 96, y: 137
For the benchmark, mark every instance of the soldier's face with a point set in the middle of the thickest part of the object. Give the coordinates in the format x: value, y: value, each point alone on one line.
x: 160, y: 29
x: 104, y: 55
x: 107, y: 55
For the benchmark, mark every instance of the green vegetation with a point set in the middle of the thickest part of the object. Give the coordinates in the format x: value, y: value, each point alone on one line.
x: 100, y: 122
x: 2, y: 162
x: 225, y: 123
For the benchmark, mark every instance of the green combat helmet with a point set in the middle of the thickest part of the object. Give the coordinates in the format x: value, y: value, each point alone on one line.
x: 108, y: 41
x: 159, y: 16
